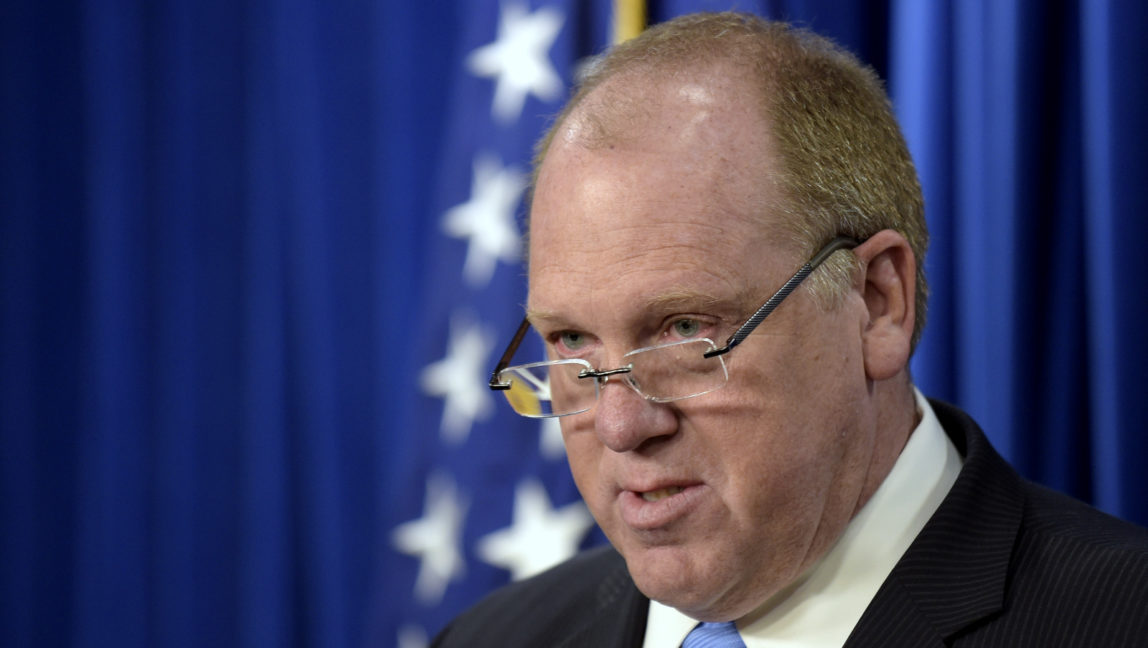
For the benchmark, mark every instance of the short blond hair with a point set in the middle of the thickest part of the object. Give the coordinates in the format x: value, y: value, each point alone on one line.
x: 843, y: 165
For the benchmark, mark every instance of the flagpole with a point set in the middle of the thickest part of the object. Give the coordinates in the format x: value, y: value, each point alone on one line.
x: 629, y: 19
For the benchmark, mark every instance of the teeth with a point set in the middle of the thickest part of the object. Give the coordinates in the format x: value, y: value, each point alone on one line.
x: 653, y: 496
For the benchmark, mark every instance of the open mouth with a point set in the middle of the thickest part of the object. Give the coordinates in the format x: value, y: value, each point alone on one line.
x: 659, y: 508
x: 661, y: 493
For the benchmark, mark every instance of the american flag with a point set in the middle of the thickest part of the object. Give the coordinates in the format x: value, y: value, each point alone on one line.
x: 486, y: 496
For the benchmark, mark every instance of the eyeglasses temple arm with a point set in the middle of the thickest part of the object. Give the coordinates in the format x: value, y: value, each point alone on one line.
x: 839, y: 243
x: 507, y: 355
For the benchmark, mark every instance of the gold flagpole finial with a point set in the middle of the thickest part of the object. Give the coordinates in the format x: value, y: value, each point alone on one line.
x: 629, y: 19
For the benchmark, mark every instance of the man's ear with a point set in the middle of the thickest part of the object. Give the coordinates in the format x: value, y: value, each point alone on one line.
x: 888, y: 283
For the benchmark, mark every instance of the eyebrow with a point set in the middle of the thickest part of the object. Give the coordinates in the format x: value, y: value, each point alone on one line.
x: 682, y: 297
x: 662, y: 302
x: 537, y: 315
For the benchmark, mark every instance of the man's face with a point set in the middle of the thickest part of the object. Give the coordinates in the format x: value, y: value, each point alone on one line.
x: 716, y: 502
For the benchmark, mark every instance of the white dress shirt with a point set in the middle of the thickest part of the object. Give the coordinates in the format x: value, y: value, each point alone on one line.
x: 821, y: 608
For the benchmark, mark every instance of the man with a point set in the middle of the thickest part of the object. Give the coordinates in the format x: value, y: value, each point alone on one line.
x: 769, y: 470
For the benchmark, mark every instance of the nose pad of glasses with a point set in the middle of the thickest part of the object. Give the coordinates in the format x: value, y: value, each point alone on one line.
x: 624, y: 378
x: 633, y: 383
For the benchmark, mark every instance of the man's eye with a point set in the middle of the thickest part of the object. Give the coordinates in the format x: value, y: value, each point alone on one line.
x: 687, y: 327
x: 572, y: 340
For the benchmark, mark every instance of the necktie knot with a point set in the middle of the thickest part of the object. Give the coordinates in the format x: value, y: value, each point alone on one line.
x: 714, y: 635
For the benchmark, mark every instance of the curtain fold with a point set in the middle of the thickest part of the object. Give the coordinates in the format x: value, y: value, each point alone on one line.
x: 1115, y: 99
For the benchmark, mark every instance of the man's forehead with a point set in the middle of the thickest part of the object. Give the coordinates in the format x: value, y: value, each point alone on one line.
x: 672, y: 104
x: 700, y: 121
x: 655, y: 302
x: 626, y: 111
x: 628, y: 199
x: 667, y: 266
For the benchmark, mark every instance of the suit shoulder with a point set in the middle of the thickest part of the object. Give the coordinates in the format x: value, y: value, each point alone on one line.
x: 545, y: 608
x: 1079, y: 565
x: 1054, y: 518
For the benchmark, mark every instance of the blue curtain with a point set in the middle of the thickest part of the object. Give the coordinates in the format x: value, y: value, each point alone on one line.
x: 226, y: 277
x: 1025, y: 120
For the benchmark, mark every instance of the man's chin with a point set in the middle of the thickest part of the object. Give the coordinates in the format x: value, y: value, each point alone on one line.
x: 674, y: 577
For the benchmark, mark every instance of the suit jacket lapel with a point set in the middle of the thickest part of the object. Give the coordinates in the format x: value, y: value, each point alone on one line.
x: 619, y: 617
x: 956, y: 571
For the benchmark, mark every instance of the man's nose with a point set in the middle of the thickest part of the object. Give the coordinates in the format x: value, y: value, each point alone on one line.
x: 624, y: 419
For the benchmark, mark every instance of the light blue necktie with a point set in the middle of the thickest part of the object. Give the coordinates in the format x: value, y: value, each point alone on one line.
x: 714, y: 635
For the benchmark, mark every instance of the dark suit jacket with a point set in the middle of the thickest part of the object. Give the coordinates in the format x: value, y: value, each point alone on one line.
x: 1003, y: 562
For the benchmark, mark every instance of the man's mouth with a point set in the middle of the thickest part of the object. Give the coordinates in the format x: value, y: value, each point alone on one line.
x: 661, y: 493
x: 659, y: 508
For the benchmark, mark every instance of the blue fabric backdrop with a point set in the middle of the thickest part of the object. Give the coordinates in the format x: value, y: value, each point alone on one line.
x: 255, y: 257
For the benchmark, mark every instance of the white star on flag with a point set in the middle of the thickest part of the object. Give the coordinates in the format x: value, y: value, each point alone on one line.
x: 460, y: 379
x: 540, y: 537
x: 412, y: 636
x: 436, y: 538
x: 487, y: 219
x: 519, y: 59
